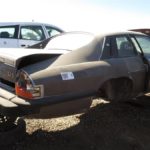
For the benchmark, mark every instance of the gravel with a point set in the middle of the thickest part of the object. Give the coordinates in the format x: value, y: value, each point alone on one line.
x: 106, y: 126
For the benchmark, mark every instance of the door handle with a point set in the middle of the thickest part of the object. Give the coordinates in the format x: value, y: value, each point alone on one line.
x: 23, y: 45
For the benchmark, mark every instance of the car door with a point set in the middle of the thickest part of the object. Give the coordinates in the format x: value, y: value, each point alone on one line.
x: 30, y: 35
x: 142, y: 43
x: 9, y: 36
x: 128, y: 62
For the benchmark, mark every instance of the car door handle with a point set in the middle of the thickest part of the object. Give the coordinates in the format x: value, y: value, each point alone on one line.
x: 23, y: 45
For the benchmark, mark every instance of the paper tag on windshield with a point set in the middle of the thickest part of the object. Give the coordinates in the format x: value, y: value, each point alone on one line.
x: 67, y: 75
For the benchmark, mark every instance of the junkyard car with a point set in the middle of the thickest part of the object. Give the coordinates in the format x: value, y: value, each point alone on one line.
x: 24, y: 34
x: 73, y: 68
x: 142, y: 30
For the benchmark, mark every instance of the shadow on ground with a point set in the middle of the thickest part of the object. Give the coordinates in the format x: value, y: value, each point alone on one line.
x: 110, y: 126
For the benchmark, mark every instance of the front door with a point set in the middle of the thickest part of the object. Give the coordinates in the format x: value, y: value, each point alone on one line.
x: 143, y: 42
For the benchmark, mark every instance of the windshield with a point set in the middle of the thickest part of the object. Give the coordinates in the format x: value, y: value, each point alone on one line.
x: 144, y: 42
x: 70, y: 41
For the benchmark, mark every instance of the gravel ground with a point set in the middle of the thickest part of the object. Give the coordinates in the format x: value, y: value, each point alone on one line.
x: 106, y: 126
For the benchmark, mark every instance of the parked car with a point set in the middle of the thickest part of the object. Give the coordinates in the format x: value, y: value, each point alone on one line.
x: 74, y: 68
x: 142, y: 30
x: 24, y: 34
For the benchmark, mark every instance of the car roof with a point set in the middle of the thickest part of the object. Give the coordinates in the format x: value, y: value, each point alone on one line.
x: 97, y: 36
x: 118, y: 33
x: 27, y: 23
x: 101, y: 34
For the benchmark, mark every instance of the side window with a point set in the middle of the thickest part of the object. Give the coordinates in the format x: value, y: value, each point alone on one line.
x: 144, y: 42
x: 125, y: 47
x: 35, y: 33
x: 8, y: 32
x: 52, y: 31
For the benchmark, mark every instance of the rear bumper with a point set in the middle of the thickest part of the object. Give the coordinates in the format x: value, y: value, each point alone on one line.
x: 11, y: 105
x: 67, y: 104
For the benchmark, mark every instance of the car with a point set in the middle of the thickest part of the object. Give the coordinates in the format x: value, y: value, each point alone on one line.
x: 24, y: 34
x: 74, y: 68
x: 142, y: 30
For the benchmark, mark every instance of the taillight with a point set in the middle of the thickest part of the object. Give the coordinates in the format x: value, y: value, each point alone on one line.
x: 25, y: 87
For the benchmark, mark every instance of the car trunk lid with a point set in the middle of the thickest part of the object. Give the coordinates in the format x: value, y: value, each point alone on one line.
x: 13, y: 59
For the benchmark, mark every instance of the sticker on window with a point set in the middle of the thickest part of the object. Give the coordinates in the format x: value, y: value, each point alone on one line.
x: 67, y: 75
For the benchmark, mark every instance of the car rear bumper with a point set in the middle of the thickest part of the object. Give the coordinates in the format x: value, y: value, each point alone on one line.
x: 11, y: 105
x: 67, y: 104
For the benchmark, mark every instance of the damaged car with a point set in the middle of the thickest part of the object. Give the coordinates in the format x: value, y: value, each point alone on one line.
x: 74, y: 68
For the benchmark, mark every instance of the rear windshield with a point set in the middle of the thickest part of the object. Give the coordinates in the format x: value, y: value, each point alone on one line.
x: 70, y: 41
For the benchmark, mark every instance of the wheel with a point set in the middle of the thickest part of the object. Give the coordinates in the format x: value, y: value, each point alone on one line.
x: 118, y: 90
x: 11, y: 130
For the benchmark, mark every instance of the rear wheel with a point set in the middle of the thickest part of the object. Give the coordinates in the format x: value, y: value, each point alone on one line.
x: 11, y: 130
x: 118, y: 90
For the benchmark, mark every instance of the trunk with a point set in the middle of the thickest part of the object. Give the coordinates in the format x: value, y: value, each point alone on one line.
x: 13, y: 59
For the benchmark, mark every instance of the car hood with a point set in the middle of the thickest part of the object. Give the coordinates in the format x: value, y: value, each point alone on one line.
x: 12, y: 56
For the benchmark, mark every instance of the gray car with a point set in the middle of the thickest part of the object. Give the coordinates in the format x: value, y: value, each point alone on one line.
x: 74, y: 68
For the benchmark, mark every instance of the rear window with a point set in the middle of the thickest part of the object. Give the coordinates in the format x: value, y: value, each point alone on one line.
x: 70, y: 41
x: 51, y: 31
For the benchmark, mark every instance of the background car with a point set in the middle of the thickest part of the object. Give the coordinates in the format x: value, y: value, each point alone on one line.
x: 142, y: 30
x: 24, y: 34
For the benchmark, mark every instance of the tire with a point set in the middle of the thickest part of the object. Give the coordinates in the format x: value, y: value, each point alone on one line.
x: 15, y: 134
x: 118, y: 90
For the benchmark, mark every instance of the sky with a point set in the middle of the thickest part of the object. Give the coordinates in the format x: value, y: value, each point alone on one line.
x: 81, y: 15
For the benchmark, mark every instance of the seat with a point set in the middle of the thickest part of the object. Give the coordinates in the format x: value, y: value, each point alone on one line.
x: 126, y: 49
x: 4, y: 34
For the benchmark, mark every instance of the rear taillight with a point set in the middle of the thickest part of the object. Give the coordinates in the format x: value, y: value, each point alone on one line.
x: 25, y: 87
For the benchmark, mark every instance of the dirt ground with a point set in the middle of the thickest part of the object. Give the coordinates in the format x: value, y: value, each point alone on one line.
x: 106, y: 126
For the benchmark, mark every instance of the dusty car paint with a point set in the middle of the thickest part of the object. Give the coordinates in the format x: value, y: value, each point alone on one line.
x: 69, y: 78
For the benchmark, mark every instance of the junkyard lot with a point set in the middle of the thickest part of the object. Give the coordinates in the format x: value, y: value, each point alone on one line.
x: 106, y: 126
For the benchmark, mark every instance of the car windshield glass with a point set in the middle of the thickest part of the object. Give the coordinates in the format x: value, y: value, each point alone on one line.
x: 144, y: 42
x: 70, y: 41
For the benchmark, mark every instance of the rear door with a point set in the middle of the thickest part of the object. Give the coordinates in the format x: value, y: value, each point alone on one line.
x: 9, y: 36
x: 127, y: 61
x: 30, y: 35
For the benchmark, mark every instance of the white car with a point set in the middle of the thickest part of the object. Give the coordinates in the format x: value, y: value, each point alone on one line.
x: 24, y: 34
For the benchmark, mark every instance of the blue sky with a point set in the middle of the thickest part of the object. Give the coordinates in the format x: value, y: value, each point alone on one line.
x: 88, y: 15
